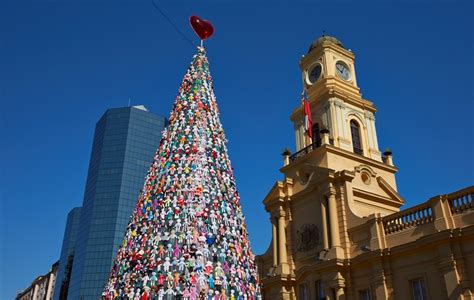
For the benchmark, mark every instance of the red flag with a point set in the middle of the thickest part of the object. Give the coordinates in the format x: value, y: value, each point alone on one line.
x: 308, y: 121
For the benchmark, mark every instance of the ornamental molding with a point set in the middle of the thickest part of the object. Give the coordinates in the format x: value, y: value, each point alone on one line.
x: 369, y: 115
x: 367, y: 169
x: 305, y: 173
x: 340, y: 103
x: 358, y: 115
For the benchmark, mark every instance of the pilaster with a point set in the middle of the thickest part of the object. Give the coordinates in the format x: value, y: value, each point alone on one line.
x: 335, y: 250
x: 448, y: 269
x: 442, y: 213
x: 274, y: 242
x: 324, y: 223
x: 378, y: 281
x: 283, y: 267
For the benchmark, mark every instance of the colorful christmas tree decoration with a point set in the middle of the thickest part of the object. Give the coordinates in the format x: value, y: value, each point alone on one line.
x: 187, y: 237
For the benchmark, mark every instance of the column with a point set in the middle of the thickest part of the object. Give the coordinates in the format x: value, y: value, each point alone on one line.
x: 282, y: 238
x: 35, y: 291
x: 370, y: 133
x: 324, y: 224
x: 335, y: 240
x: 302, y: 135
x: 334, y: 129
x: 340, y: 119
x: 372, y: 124
x: 274, y: 241
x: 329, y: 124
x: 297, y: 136
x: 329, y: 293
x: 339, y: 293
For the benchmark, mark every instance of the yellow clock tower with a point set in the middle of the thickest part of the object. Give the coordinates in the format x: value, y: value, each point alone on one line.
x: 329, y: 76
x: 336, y: 214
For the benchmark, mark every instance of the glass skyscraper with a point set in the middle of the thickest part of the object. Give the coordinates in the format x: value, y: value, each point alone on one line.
x: 125, y: 141
x: 67, y: 254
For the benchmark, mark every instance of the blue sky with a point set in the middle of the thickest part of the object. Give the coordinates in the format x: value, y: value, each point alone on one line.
x: 63, y: 63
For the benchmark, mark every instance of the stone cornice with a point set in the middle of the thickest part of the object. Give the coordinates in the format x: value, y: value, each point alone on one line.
x: 324, y: 149
x: 333, y: 87
x: 315, y: 53
x: 428, y: 241
x: 321, y: 266
x: 362, y: 159
x: 366, y: 196
x: 390, y: 190
x: 275, y: 196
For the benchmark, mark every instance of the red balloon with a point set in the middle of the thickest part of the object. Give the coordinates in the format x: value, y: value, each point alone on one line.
x: 203, y: 28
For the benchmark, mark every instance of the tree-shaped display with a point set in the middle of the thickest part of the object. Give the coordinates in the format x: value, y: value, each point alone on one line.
x: 187, y: 237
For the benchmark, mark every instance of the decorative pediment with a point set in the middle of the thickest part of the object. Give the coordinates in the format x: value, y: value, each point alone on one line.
x: 390, y: 190
x: 276, y: 194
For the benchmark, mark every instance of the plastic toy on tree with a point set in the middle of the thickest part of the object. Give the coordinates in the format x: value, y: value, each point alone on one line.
x: 187, y: 237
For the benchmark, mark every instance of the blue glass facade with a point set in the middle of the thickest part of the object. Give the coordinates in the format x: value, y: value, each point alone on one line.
x: 125, y: 141
x: 67, y: 254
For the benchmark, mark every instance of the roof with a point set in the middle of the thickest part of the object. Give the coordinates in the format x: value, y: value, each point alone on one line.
x: 324, y: 38
x: 141, y: 107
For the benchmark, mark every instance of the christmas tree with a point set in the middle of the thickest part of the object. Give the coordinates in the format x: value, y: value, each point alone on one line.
x: 187, y: 237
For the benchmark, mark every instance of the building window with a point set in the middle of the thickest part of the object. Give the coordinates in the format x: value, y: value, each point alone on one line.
x: 418, y: 289
x: 303, y: 292
x: 316, y: 135
x: 355, y: 133
x: 319, y: 288
x: 364, y: 295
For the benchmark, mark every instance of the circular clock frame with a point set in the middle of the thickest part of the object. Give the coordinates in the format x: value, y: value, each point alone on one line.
x: 346, y: 66
x: 310, y: 70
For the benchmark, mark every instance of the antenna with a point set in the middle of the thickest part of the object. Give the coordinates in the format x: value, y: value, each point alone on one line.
x: 129, y: 101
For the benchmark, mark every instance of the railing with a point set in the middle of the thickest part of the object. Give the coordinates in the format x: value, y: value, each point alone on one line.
x: 414, y: 216
x: 461, y: 201
x: 308, y: 149
x: 305, y: 150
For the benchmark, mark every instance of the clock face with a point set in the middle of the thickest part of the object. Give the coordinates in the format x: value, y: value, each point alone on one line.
x: 342, y: 70
x: 314, y: 74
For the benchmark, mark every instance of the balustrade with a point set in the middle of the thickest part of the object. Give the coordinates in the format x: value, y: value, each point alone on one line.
x: 414, y: 216
x: 461, y: 201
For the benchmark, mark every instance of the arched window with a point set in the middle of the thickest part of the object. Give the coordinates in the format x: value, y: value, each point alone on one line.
x: 355, y: 133
x: 316, y: 135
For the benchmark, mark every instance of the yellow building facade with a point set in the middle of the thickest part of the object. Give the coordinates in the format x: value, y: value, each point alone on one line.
x: 337, y: 228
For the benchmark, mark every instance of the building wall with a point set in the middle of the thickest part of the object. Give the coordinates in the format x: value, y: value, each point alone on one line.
x: 336, y: 217
x: 67, y: 254
x: 42, y: 287
x: 433, y: 241
x: 125, y: 141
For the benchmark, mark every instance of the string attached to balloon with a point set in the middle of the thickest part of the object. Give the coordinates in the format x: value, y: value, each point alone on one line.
x: 155, y: 5
x: 202, y: 28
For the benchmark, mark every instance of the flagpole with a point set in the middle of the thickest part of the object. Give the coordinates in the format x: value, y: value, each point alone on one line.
x: 308, y: 122
x: 303, y: 98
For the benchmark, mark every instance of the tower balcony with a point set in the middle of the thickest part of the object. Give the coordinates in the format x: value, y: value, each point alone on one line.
x: 315, y: 145
x: 386, y: 157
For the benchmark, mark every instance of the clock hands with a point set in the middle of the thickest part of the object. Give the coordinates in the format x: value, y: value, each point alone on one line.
x: 342, y: 70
